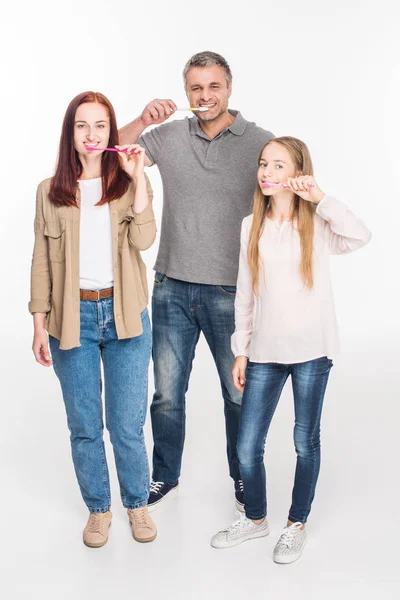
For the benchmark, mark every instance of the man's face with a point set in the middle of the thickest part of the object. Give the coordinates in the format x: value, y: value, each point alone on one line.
x: 207, y: 86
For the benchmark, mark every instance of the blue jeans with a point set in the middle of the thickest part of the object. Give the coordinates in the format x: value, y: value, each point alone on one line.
x: 264, y: 384
x: 125, y: 364
x: 180, y: 312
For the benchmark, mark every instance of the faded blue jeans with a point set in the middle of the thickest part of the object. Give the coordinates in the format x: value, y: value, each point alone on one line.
x: 125, y: 364
x: 264, y: 385
x: 180, y: 312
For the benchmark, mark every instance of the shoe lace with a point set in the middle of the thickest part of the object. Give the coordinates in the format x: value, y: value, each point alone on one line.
x: 155, y: 486
x: 240, y: 484
x: 140, y: 516
x: 237, y: 525
x: 95, y: 522
x: 289, y: 533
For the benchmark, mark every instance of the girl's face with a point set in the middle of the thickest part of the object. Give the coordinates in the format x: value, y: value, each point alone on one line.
x: 276, y: 165
x: 92, y: 127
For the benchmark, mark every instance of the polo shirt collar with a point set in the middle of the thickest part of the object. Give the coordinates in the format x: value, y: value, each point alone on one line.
x: 238, y: 126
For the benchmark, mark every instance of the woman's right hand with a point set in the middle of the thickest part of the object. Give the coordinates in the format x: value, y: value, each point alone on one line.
x: 157, y: 111
x: 40, y: 347
x: 239, y: 372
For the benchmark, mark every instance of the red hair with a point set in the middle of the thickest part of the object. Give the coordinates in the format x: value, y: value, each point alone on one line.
x: 115, y: 181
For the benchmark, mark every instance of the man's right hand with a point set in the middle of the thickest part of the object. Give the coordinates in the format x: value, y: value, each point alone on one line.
x: 157, y: 111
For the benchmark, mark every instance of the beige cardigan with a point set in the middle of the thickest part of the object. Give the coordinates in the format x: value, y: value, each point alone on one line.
x: 55, y: 264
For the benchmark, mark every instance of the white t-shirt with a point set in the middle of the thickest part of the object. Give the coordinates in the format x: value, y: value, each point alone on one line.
x: 95, y: 252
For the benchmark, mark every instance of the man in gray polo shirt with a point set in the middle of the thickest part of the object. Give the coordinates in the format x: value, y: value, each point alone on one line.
x: 208, y: 166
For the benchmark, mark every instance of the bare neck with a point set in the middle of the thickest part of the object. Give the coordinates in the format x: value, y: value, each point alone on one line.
x: 91, y: 166
x: 281, y: 206
x: 213, y: 128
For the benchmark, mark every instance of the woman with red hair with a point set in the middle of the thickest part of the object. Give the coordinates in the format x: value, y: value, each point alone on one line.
x: 89, y: 301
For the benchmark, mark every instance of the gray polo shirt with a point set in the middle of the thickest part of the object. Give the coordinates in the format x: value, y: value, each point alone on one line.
x: 208, y: 189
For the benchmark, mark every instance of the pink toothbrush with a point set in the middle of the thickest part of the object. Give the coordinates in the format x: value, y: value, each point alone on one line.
x: 283, y: 185
x: 109, y: 149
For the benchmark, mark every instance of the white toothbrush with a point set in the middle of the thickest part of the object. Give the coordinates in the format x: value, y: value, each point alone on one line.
x: 199, y: 109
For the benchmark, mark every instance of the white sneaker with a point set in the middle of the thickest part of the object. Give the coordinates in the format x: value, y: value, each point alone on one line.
x: 290, y: 545
x: 240, y: 531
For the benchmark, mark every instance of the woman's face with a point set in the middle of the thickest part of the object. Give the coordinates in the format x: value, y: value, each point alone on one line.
x: 275, y: 166
x: 92, y: 127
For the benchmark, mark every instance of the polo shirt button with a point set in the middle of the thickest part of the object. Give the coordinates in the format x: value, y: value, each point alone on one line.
x: 118, y: 316
x: 114, y: 212
x: 116, y: 265
x: 117, y: 291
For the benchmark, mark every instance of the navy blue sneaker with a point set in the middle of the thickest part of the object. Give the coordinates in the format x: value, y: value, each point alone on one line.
x: 159, y: 491
x: 239, y: 496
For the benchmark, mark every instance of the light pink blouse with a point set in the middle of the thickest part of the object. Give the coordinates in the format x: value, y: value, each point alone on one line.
x: 288, y: 323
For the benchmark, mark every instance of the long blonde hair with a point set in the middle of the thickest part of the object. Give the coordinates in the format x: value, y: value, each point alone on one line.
x: 303, y: 212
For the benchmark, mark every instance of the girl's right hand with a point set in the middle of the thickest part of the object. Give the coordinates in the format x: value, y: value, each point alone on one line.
x: 40, y: 347
x: 239, y: 372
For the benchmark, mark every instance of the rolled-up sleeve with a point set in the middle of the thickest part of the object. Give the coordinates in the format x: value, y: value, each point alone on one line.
x: 40, y: 272
x: 142, y: 228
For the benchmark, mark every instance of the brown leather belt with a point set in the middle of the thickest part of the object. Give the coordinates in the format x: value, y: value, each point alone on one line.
x: 97, y: 294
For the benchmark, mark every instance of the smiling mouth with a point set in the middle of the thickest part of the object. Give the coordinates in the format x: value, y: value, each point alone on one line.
x: 208, y: 106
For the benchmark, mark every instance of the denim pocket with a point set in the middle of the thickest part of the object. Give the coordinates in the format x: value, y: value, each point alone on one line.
x: 159, y: 278
x: 228, y: 289
x: 55, y: 233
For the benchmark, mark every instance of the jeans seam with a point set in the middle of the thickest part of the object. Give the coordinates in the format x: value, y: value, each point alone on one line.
x: 185, y: 386
x: 278, y: 395
x: 103, y: 456
x: 188, y: 373
x: 143, y: 419
x: 104, y: 461
x: 317, y: 423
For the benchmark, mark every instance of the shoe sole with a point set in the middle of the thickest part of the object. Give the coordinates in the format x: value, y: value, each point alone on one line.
x: 239, y: 506
x: 97, y: 545
x: 146, y: 540
x: 286, y: 560
x: 171, y: 494
x: 253, y: 536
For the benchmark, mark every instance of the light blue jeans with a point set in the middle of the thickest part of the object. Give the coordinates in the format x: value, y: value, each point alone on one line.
x: 125, y: 364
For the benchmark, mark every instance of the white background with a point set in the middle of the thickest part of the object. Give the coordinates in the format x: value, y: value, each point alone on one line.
x: 325, y: 72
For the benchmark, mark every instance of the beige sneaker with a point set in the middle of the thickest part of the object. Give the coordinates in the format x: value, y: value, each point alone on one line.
x: 143, y: 528
x: 95, y: 533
